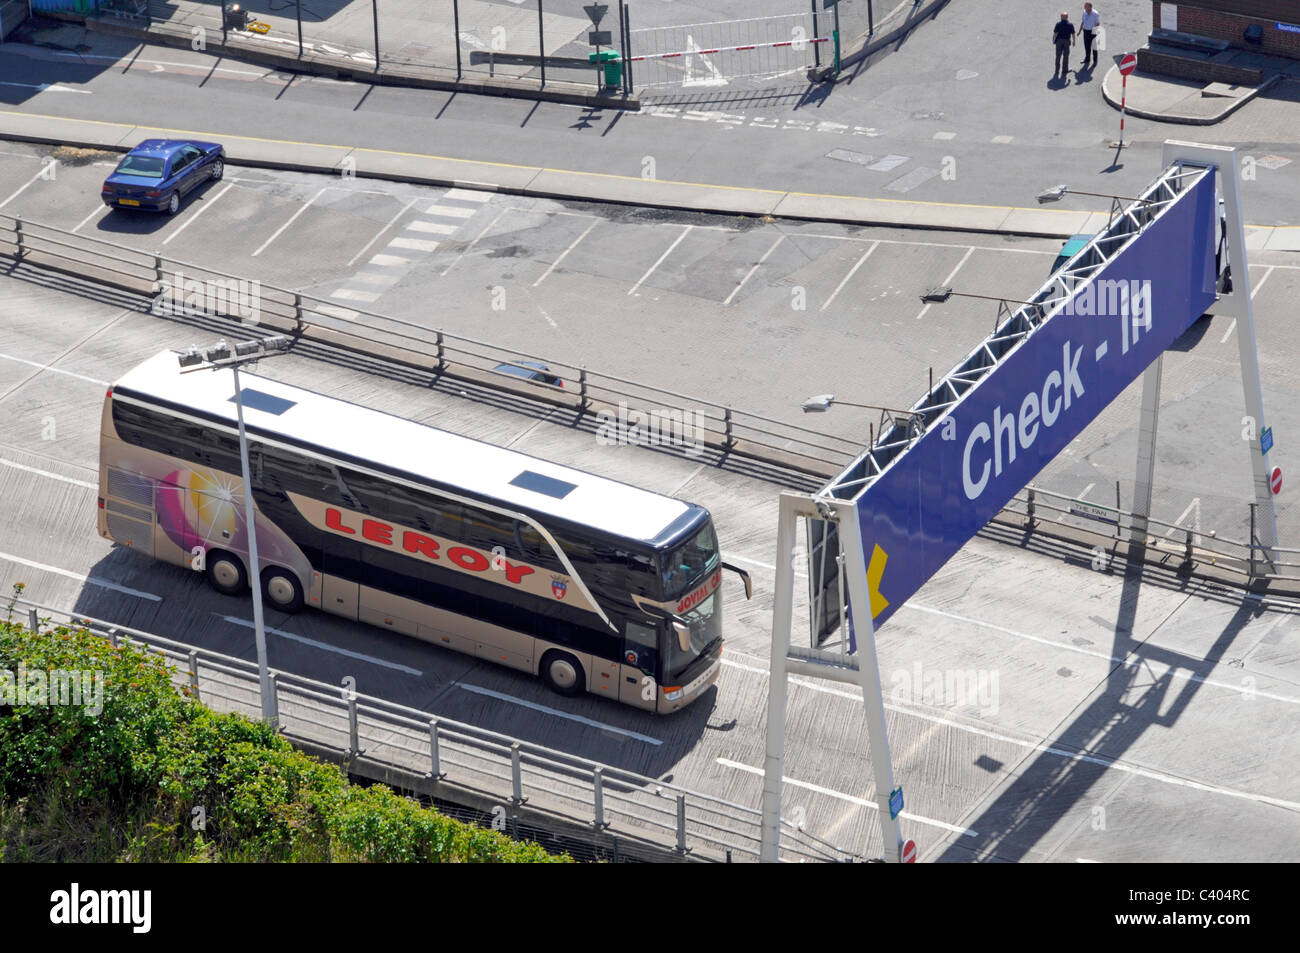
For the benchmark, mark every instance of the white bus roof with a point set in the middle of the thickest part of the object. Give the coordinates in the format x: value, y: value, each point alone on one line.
x: 513, y: 478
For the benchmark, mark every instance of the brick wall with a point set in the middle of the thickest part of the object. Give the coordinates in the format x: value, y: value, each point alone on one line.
x: 1201, y: 71
x: 1202, y: 20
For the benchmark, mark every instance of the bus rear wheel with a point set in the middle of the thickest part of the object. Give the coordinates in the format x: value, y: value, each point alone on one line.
x: 282, y: 589
x: 226, y: 573
x: 562, y: 673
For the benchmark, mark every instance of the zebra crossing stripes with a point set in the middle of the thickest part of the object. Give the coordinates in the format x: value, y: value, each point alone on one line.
x: 422, y: 235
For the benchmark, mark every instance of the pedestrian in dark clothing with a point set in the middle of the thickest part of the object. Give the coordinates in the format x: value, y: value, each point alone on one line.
x: 1063, y: 37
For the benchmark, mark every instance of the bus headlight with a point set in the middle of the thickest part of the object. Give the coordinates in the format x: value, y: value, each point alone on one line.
x: 672, y: 693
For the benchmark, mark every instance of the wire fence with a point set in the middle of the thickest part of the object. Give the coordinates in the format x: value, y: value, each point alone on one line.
x: 666, y: 419
x: 442, y: 755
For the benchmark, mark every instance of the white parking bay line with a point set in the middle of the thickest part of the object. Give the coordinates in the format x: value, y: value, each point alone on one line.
x: 42, y: 174
x: 951, y: 276
x: 292, y: 218
x: 861, y: 802
x: 380, y: 233
x: 563, y: 254
x: 91, y: 580
x: 54, y: 370
x: 199, y: 211
x: 325, y: 646
x: 685, y: 231
x: 102, y: 210
x: 852, y: 271
x: 749, y: 274
x: 389, y: 260
x: 592, y: 723
x: 47, y: 473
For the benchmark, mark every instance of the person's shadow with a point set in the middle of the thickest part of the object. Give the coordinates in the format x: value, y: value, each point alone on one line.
x: 1083, y: 74
x: 1058, y: 81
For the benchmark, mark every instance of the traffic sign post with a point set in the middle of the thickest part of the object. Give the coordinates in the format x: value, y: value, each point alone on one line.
x: 1127, y: 64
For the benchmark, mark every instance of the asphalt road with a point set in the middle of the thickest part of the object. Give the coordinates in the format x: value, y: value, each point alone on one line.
x: 1136, y: 718
x: 757, y: 315
x: 963, y: 112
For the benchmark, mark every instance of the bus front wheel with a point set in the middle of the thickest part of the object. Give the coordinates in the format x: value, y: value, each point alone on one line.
x: 226, y: 573
x: 563, y: 673
x: 282, y: 589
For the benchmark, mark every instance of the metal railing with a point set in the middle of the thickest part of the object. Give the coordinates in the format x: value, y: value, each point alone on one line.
x: 1191, y: 545
x: 435, y: 749
x: 714, y: 427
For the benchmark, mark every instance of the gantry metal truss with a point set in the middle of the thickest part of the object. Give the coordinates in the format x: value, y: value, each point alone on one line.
x: 1012, y: 325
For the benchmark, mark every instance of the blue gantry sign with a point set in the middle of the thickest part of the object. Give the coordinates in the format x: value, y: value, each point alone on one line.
x: 930, y: 500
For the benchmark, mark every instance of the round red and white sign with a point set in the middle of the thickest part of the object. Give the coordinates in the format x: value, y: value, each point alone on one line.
x: 909, y: 852
x: 1128, y: 64
x: 1275, y: 480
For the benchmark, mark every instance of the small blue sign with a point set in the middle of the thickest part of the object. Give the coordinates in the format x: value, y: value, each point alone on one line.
x: 895, y: 802
x: 1266, y: 440
x: 1286, y: 27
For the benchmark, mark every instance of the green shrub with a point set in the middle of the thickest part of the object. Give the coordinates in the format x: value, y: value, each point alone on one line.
x: 124, y: 784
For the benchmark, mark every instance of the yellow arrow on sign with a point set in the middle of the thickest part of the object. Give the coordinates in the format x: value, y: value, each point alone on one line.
x: 876, y: 569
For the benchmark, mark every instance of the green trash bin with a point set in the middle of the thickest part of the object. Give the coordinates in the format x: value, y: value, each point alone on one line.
x: 613, y: 66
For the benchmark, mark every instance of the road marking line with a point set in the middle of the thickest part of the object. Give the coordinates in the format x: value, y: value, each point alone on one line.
x: 685, y: 231
x: 203, y: 208
x: 350, y: 294
x: 852, y: 272
x: 54, y: 370
x: 47, y: 473
x: 469, y: 195
x: 292, y: 219
x: 1038, y: 746
x: 236, y: 620
x: 102, y: 210
x: 564, y: 254
x: 947, y: 281
x: 91, y: 580
x: 345, y: 314
x: 414, y: 244
x: 468, y: 248
x: 861, y: 802
x: 25, y: 187
x: 1232, y: 326
x: 380, y: 233
x: 558, y: 714
x: 371, y: 278
x: 434, y: 228
x: 450, y: 211
x: 389, y: 260
x: 750, y: 273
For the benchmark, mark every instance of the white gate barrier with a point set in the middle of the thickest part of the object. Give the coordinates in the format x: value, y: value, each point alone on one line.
x: 702, y: 55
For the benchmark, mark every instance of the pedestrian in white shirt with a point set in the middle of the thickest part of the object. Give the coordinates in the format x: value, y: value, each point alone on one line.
x: 1088, y: 26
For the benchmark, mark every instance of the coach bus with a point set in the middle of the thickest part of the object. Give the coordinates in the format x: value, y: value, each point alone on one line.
x: 592, y: 584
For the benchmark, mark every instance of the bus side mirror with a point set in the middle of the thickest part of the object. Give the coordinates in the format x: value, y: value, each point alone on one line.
x: 683, y: 636
x: 744, y: 577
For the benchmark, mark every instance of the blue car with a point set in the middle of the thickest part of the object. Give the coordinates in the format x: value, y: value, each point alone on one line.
x: 158, y: 173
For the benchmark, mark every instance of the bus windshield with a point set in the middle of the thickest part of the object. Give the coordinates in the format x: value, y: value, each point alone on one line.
x: 684, y: 565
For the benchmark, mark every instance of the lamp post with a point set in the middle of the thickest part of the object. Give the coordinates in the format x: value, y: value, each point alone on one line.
x: 1058, y: 192
x: 216, y: 358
